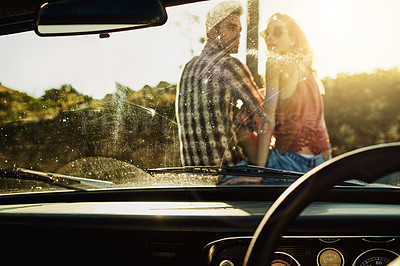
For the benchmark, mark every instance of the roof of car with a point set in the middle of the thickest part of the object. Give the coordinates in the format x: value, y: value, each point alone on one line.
x: 18, y: 15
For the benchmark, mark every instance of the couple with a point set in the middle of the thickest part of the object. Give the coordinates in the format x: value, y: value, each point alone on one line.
x: 223, y: 119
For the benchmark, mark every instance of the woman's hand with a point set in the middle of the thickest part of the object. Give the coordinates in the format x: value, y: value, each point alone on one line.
x: 327, y: 154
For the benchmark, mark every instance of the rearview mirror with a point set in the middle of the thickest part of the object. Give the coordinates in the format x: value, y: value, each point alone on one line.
x: 72, y: 17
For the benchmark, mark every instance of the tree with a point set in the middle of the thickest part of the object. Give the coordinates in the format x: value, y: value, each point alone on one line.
x: 252, y: 40
x: 362, y: 109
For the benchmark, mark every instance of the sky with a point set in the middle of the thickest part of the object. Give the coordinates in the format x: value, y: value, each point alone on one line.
x: 347, y: 36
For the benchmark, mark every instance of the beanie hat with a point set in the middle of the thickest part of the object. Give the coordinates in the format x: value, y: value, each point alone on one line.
x: 221, y: 11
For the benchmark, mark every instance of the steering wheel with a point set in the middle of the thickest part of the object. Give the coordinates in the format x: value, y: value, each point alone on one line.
x: 366, y: 164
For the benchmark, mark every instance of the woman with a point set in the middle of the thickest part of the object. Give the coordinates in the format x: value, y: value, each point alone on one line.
x: 293, y: 101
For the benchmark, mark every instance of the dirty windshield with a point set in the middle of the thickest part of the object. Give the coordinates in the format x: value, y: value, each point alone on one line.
x: 224, y: 93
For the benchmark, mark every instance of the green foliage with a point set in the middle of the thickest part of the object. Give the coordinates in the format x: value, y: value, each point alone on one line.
x: 141, y: 120
x: 363, y: 109
x: 17, y: 106
x: 65, y: 125
x: 139, y: 127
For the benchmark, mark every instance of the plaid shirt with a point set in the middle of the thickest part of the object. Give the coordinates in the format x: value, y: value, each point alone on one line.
x: 216, y: 96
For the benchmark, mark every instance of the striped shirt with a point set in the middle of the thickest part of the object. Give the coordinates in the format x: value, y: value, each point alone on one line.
x: 216, y: 97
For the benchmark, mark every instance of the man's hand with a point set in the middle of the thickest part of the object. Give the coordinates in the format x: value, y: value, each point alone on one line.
x: 248, y: 142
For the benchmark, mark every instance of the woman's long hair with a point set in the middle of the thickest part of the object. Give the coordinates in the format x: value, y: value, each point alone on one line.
x: 301, y: 44
x: 302, y: 49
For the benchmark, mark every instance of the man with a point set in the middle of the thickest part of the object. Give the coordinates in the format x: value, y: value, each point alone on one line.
x: 218, y: 105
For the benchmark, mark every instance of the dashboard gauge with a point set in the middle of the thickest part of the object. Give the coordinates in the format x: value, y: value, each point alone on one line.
x: 331, y: 257
x: 226, y: 263
x: 379, y: 239
x: 283, y: 259
x: 375, y: 257
x: 329, y: 240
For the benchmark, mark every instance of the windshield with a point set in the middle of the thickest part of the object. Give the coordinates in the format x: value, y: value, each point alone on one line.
x: 251, y: 82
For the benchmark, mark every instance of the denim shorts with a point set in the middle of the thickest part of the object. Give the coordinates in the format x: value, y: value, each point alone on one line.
x: 293, y: 161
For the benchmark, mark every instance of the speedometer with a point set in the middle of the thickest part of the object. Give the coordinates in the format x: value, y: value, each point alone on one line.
x: 375, y: 257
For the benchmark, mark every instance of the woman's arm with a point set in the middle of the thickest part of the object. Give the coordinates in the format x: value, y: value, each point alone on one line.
x: 247, y: 140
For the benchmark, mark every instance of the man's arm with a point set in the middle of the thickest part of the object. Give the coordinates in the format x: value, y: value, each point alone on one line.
x: 267, y: 123
x: 247, y: 140
x: 250, y: 112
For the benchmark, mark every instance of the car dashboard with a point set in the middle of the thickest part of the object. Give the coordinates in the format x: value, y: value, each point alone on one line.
x: 195, y: 226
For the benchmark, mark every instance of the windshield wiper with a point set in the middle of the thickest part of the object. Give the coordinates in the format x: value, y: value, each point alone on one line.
x: 65, y: 181
x: 237, y: 170
x: 359, y: 183
x: 269, y: 176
